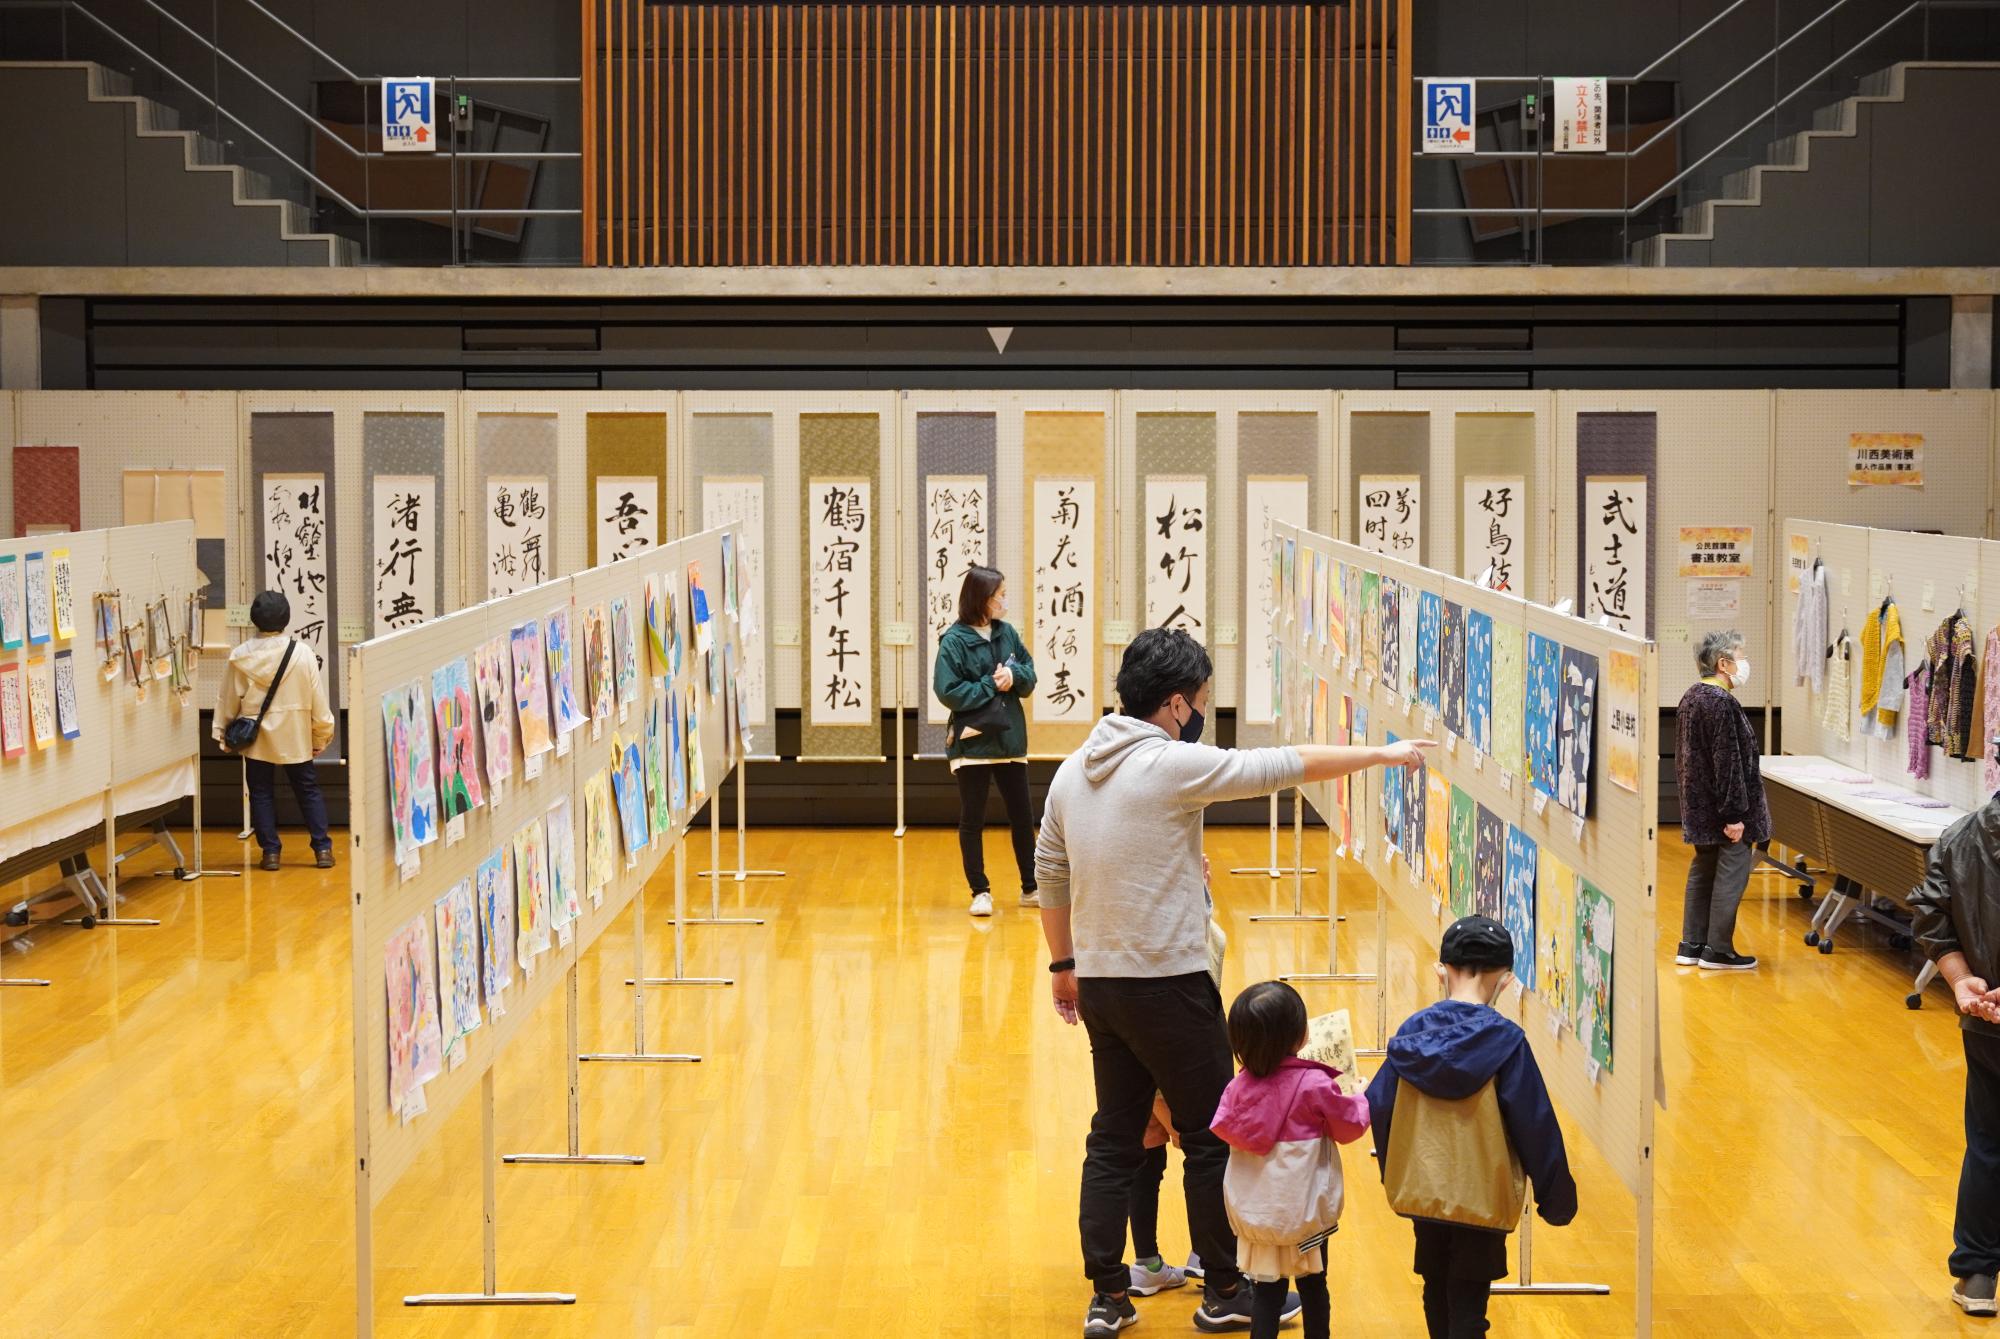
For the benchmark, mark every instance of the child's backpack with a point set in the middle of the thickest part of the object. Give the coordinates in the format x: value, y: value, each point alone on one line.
x: 1451, y: 1161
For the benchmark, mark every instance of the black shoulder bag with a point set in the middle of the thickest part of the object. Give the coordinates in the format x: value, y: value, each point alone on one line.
x: 990, y: 717
x: 242, y: 732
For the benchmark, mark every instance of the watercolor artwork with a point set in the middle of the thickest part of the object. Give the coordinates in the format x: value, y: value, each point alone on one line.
x: 531, y: 694
x: 624, y: 653
x: 659, y: 816
x: 629, y: 786
x: 408, y: 755
x: 1406, y: 613
x: 1517, y: 902
x: 416, y: 1042
x: 1510, y: 691
x: 1621, y: 720
x: 493, y: 884
x: 458, y: 966
x: 458, y: 765
x: 1416, y: 789
x: 1391, y: 625
x: 699, y: 616
x: 1451, y: 667
x: 1479, y: 680
x: 1371, y: 623
x: 1489, y: 860
x: 656, y: 624
x: 1464, y: 839
x: 1430, y: 620
x: 1555, y: 931
x: 1576, y: 731
x: 565, y: 895
x: 676, y: 755
x: 558, y: 644
x: 1544, y: 674
x: 691, y: 728
x: 531, y: 892
x: 1336, y: 609
x: 1595, y: 923
x: 1437, y: 830
x: 1311, y: 576
x: 596, y: 637
x: 496, y: 708
x: 1392, y: 804
x: 600, y: 835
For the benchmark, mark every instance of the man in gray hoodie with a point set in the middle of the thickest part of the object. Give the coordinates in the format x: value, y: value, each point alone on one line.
x: 1125, y: 912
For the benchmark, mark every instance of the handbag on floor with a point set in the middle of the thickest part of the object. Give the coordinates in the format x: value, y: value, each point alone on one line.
x: 242, y: 732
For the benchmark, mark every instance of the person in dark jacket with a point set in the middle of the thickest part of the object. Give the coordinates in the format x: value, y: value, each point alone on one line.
x: 1723, y: 814
x: 1450, y: 1051
x: 983, y: 671
x: 1958, y: 927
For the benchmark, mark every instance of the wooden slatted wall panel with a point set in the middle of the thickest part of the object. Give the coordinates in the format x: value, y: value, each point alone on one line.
x: 1015, y: 134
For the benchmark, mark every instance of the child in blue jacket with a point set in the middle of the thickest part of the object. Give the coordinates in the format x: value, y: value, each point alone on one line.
x: 1450, y: 1051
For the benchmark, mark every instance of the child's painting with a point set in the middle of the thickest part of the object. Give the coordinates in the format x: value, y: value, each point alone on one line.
x: 13, y: 713
x: 416, y: 1042
x: 676, y: 755
x: 68, y: 723
x: 1544, y: 673
x: 1509, y: 698
x: 1489, y: 858
x: 458, y: 766
x: 1479, y: 680
x: 1321, y: 722
x: 629, y: 785
x: 493, y: 885
x: 531, y: 693
x: 1437, y: 828
x: 1595, y: 922
x: 1406, y: 613
x: 658, y: 815
x: 600, y: 835
x: 1392, y: 804
x: 698, y: 612
x: 1312, y: 575
x: 558, y: 644
x: 597, y: 691
x: 1576, y: 731
x: 1343, y: 787
x: 406, y: 731
x: 1430, y: 618
x: 1555, y: 931
x: 1464, y: 842
x: 531, y: 892
x: 565, y: 895
x: 1371, y: 623
x: 1517, y: 903
x: 1416, y: 789
x: 1391, y: 624
x: 1335, y: 605
x: 624, y: 653
x: 458, y: 966
x: 496, y: 708
x: 1621, y: 720
x: 658, y: 623
x: 1451, y: 667
x: 41, y: 703
x: 697, y: 770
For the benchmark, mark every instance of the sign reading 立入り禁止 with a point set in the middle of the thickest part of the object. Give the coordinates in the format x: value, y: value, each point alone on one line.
x: 1885, y: 459
x: 1448, y: 115
x: 409, y: 115
x: 1579, y: 110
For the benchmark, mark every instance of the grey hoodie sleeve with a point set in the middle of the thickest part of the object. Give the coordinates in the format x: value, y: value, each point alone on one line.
x: 1206, y: 775
x: 1052, y: 857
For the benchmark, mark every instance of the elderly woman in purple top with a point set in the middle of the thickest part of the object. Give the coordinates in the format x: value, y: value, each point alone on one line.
x: 1723, y: 815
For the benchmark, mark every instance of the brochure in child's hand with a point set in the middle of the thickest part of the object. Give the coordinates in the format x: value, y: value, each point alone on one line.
x: 1330, y: 1040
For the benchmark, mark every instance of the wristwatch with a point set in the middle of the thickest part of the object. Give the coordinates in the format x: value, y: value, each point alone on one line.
x: 1062, y: 965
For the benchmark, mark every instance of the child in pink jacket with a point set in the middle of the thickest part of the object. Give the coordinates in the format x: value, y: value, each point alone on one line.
x: 1281, y: 1116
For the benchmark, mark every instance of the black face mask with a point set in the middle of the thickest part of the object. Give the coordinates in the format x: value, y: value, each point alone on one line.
x: 1191, y: 730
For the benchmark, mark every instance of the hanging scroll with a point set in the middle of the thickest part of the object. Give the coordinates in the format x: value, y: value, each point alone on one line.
x: 1266, y: 500
x: 1496, y: 529
x: 1615, y: 540
x: 628, y: 517
x: 1176, y: 553
x: 296, y: 509
x: 840, y: 561
x: 955, y: 537
x: 1392, y: 517
x: 404, y: 580
x: 625, y: 480
x: 1065, y: 529
x: 520, y: 551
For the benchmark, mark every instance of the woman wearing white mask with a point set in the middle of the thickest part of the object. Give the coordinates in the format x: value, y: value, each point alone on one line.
x: 1723, y: 814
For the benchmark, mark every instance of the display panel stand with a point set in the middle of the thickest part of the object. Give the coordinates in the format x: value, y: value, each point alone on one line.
x: 201, y: 869
x: 1273, y: 870
x: 576, y: 1153
x: 490, y: 1294
x: 1528, y: 1286
x: 1333, y: 974
x: 110, y: 881
x: 715, y: 873
x: 1299, y: 870
x: 639, y: 1055
x: 248, y: 832
x: 742, y: 873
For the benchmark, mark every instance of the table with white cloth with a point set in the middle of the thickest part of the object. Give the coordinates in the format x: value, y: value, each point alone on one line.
x: 63, y: 836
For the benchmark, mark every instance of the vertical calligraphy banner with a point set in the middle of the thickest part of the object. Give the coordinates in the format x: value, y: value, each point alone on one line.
x: 402, y: 476
x: 1176, y: 470
x: 1391, y: 519
x: 1623, y: 445
x: 513, y: 506
x: 48, y: 490
x: 955, y: 469
x: 623, y: 453
x: 840, y: 459
x: 1496, y: 500
x: 1617, y: 578
x: 1277, y: 471
x: 1392, y: 445
x: 291, y: 473
x: 1063, y: 463
x: 732, y: 456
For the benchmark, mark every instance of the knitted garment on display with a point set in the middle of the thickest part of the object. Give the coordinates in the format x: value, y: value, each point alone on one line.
x: 1809, y: 629
x: 1882, y: 671
x: 1917, y: 733
x: 1836, y: 711
x: 1951, y: 686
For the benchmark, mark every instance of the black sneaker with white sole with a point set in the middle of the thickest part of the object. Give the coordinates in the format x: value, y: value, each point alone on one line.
x: 1687, y: 955
x: 1975, y: 1295
x: 1108, y: 1315
x: 1723, y: 960
x: 1217, y: 1315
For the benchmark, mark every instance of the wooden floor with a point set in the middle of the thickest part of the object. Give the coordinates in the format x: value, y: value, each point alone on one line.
x: 884, y: 1138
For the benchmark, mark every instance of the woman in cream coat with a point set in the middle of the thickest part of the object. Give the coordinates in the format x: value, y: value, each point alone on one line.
x: 297, y: 728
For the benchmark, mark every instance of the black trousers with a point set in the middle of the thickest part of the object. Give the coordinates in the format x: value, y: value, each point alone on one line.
x: 1458, y: 1266
x: 1975, y: 1232
x: 1717, y: 878
x: 1267, y: 1310
x: 1146, y: 1204
x: 1147, y: 1035
x: 1012, y: 778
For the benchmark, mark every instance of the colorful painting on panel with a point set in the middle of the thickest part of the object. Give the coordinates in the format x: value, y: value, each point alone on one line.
x: 1576, y: 731
x: 531, y: 694
x: 624, y: 653
x: 1489, y: 859
x: 1621, y: 720
x: 565, y: 895
x: 496, y: 708
x: 458, y: 764
x: 1336, y: 609
x: 659, y: 815
x: 597, y: 690
x: 699, y: 616
x: 494, y: 886
x: 1311, y: 564
x: 628, y: 783
x: 1544, y: 674
x: 1464, y: 840
x: 1343, y: 788
x: 1451, y: 667
x: 406, y: 731
x: 531, y: 892
x: 658, y: 622
x: 458, y: 965
x: 1517, y: 902
x: 697, y: 770
x: 1595, y: 923
x: 1479, y: 680
x: 1416, y: 789
x: 559, y: 645
x: 1430, y: 618
x: 676, y: 754
x: 1510, y: 706
x: 1390, y: 624
x: 600, y: 835
x: 1392, y: 804
x: 1371, y: 623
x: 416, y: 1043
x: 1437, y: 829
x: 1555, y: 935
x: 1407, y: 649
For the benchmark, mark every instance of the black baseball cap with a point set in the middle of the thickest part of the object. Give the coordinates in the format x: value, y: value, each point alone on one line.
x: 1477, y: 942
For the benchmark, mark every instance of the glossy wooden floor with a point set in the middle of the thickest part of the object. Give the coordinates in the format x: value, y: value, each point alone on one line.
x: 885, y: 1136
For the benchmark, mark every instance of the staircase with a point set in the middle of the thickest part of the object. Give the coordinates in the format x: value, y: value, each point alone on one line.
x: 131, y: 187
x: 1890, y: 176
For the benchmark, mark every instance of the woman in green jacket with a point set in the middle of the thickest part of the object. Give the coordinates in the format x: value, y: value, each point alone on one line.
x: 983, y: 671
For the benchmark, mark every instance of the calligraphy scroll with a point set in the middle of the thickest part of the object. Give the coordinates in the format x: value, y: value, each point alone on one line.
x: 1625, y: 447
x: 295, y: 521
x: 1176, y: 553
x: 1495, y: 521
x: 1494, y: 452
x: 956, y: 526
x: 1615, y: 542
x: 1064, y: 464
x: 1267, y: 500
x: 403, y: 576
x: 520, y: 543
x: 956, y: 452
x: 514, y: 502
x: 627, y: 517
x: 1394, y: 446
x: 625, y: 467
x: 1392, y: 515
x: 840, y: 563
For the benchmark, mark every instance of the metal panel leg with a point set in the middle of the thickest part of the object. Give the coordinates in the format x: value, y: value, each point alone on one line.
x: 742, y: 873
x: 576, y: 1153
x: 680, y: 976
x: 715, y: 873
x: 639, y: 980
x: 1528, y: 1286
x: 1273, y: 870
x: 1298, y: 870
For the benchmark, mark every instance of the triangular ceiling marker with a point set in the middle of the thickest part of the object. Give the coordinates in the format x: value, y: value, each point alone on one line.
x: 1000, y: 334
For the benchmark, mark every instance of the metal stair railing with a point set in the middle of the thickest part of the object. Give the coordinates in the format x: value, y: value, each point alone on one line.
x: 362, y: 213
x: 1628, y: 211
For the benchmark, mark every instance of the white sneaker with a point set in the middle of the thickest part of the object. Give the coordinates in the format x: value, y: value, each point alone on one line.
x: 1146, y: 1282
x: 1031, y: 899
x: 1193, y: 1269
x: 982, y: 904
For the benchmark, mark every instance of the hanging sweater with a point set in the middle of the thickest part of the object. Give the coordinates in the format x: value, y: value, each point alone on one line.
x: 1917, y: 731
x: 1952, y: 688
x: 1809, y: 629
x: 1837, y: 709
x: 1986, y: 717
x: 1882, y: 671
